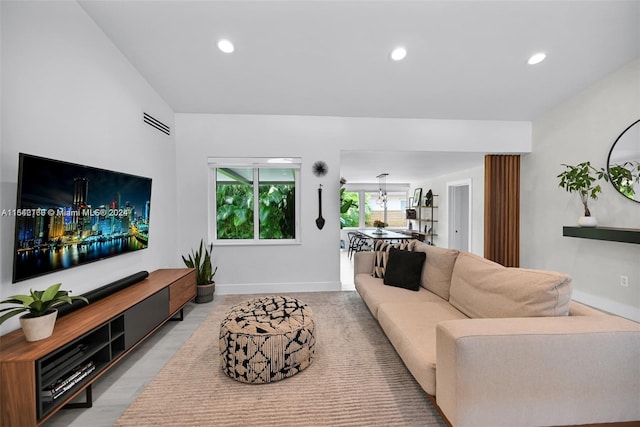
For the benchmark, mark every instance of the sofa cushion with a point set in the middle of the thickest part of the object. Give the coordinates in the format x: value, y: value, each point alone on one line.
x: 481, y: 288
x: 381, y: 251
x: 404, y: 269
x: 374, y: 292
x: 436, y: 274
x: 411, y: 328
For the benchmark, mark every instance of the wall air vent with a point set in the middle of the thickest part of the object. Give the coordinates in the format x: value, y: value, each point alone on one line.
x: 153, y: 122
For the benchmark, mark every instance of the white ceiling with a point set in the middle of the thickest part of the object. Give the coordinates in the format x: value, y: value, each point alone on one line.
x: 466, y: 60
x: 403, y: 166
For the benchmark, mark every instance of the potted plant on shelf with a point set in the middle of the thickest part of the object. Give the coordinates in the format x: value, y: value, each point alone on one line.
x: 582, y: 179
x: 201, y: 261
x: 38, y: 323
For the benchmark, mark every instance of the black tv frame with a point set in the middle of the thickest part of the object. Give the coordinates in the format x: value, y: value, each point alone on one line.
x: 69, y: 214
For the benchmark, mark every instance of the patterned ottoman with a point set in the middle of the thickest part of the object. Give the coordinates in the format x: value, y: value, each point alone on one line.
x: 267, y: 339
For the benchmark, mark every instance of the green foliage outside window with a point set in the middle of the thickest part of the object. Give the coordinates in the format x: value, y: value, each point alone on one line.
x: 277, y: 211
x: 350, y: 210
x: 234, y: 207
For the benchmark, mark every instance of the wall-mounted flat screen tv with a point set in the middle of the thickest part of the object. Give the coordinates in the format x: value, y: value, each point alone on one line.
x: 69, y: 214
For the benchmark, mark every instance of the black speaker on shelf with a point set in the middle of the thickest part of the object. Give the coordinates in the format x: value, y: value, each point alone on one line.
x: 102, y: 291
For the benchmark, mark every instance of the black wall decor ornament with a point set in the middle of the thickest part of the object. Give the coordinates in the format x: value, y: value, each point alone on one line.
x: 429, y: 199
x: 320, y: 168
x: 320, y: 219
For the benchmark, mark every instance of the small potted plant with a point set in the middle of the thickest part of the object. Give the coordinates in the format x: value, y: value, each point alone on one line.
x: 582, y: 179
x: 201, y: 261
x: 379, y: 225
x: 38, y: 323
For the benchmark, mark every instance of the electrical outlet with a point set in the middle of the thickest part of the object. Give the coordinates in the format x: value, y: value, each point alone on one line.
x: 624, y: 281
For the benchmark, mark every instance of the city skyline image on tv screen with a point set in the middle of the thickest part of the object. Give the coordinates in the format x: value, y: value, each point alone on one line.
x: 69, y: 214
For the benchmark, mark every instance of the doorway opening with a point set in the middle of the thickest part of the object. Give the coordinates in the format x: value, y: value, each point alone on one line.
x: 459, y: 214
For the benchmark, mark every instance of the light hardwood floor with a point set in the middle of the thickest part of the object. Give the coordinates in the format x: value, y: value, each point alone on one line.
x: 115, y: 390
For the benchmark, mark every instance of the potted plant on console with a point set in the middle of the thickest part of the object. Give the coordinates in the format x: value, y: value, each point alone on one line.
x: 201, y: 261
x: 38, y: 323
x: 582, y: 179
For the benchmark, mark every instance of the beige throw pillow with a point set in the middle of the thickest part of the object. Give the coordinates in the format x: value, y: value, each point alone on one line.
x: 484, y: 289
x: 438, y: 267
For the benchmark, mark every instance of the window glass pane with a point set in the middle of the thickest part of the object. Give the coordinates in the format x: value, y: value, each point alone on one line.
x: 350, y: 210
x: 277, y: 196
x: 234, y: 203
x: 256, y: 201
x: 373, y: 209
x: 396, y: 205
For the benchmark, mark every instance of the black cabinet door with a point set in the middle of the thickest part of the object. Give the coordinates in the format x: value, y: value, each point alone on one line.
x: 143, y: 317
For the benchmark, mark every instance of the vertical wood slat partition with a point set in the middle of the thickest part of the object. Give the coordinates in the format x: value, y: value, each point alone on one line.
x: 502, y: 209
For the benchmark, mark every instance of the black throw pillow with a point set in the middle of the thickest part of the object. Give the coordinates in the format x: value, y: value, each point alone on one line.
x: 404, y: 269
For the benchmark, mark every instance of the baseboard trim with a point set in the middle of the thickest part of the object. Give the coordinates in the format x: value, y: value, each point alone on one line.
x: 609, y: 306
x: 268, y: 288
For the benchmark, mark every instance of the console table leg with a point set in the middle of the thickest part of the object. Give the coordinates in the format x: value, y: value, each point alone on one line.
x: 88, y: 403
x: 178, y: 317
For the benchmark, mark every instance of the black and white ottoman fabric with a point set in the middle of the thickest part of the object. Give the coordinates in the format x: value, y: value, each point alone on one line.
x: 267, y: 339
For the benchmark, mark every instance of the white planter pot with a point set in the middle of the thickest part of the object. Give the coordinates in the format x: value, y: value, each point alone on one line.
x: 38, y: 328
x: 587, y: 221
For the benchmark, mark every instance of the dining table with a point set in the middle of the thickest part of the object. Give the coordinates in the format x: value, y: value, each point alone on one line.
x: 383, y: 234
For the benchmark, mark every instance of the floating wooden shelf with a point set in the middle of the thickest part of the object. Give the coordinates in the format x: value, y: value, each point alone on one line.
x: 626, y: 235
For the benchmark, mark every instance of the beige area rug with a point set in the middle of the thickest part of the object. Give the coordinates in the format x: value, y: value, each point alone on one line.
x: 356, y: 379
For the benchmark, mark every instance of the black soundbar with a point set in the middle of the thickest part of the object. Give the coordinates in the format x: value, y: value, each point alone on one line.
x: 101, y: 292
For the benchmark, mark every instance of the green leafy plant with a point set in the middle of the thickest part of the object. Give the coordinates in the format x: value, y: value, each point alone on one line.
x: 347, y: 201
x: 624, y: 176
x: 234, y: 206
x: 277, y: 211
x: 349, y: 207
x: 201, y: 261
x: 38, y: 303
x: 582, y: 179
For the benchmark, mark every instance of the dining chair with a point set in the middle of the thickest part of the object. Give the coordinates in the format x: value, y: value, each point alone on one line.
x: 363, y: 244
x: 353, y: 239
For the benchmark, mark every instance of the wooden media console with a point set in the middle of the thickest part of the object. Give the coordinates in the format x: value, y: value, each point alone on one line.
x: 39, y: 378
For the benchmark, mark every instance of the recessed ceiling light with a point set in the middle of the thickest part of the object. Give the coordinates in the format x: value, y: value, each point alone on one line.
x: 537, y: 58
x: 398, y: 54
x: 225, y: 45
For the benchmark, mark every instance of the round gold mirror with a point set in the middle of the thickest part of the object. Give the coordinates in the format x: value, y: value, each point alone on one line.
x: 623, y: 165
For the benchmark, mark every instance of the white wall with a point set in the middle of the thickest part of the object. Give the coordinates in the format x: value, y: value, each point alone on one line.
x: 314, y: 264
x: 68, y: 94
x: 580, y: 129
x: 439, y: 186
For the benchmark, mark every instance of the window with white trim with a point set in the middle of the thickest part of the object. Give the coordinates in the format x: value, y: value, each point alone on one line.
x: 255, y: 200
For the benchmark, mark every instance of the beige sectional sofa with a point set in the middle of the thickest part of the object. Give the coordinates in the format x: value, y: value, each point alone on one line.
x: 496, y: 346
